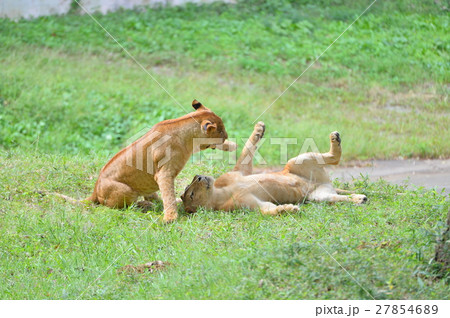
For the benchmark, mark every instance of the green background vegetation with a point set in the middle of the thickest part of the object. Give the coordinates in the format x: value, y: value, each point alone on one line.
x: 70, y: 98
x: 68, y: 87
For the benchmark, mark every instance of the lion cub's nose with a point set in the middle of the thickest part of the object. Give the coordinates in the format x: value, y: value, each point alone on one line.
x: 201, y: 178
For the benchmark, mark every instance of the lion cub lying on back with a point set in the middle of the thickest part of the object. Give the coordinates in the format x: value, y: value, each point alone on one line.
x: 303, y: 178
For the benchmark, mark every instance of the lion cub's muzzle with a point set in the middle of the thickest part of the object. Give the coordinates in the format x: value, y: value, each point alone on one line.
x: 214, y: 146
x: 197, y: 192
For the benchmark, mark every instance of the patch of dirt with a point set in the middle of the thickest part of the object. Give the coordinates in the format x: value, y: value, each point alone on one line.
x: 376, y: 245
x: 162, y: 70
x: 397, y: 108
x: 418, y: 95
x: 150, y: 267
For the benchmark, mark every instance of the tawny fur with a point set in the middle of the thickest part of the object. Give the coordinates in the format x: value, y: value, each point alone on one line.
x: 303, y: 178
x: 146, y: 166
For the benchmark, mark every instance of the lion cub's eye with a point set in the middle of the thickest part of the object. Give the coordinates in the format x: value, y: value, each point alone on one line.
x: 192, y: 195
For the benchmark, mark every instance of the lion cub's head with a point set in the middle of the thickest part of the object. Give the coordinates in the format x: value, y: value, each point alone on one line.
x: 197, y: 193
x: 212, y: 129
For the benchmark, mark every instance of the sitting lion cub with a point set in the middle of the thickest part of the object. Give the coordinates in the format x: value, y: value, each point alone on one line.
x: 303, y: 178
x: 152, y: 162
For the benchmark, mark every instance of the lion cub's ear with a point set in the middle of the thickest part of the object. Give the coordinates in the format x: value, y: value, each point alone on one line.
x: 208, y: 127
x: 197, y: 105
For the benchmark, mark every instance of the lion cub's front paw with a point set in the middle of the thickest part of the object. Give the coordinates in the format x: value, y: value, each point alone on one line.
x: 358, y: 198
x: 259, y: 130
x: 170, y: 217
x: 232, y: 146
x: 227, y: 146
x: 287, y: 208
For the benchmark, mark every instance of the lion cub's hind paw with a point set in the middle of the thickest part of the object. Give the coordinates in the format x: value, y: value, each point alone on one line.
x: 259, y: 130
x: 145, y: 205
x: 358, y: 198
x: 335, y: 137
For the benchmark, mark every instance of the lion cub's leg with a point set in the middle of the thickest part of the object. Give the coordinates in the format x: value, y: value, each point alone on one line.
x: 311, y: 165
x: 340, y: 191
x: 315, y: 159
x: 327, y: 193
x: 333, y: 156
x: 245, y: 161
x: 166, y: 183
x: 272, y: 209
x: 115, y: 194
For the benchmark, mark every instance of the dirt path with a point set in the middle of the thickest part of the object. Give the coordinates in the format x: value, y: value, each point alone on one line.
x: 427, y: 173
x: 434, y: 173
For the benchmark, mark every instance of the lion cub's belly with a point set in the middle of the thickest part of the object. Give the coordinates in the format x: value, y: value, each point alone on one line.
x: 275, y: 187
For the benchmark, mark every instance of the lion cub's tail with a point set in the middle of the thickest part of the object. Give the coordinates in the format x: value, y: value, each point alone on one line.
x: 69, y: 199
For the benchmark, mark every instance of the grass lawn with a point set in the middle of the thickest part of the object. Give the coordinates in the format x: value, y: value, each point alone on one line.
x: 70, y: 98
x: 51, y: 249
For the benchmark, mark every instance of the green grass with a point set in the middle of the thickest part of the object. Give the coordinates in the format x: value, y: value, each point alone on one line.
x: 70, y: 98
x: 51, y: 250
x: 67, y: 87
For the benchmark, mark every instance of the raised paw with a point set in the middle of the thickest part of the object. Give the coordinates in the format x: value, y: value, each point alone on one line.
x: 232, y: 146
x: 227, y: 146
x: 335, y: 137
x: 259, y: 130
x: 358, y: 198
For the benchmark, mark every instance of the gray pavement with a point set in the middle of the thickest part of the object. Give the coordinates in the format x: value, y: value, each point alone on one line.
x: 433, y: 173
